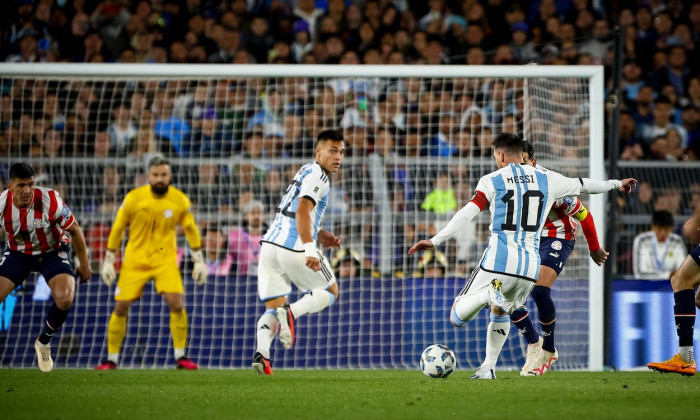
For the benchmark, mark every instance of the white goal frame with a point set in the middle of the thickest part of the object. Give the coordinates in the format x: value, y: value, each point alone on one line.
x: 595, y: 75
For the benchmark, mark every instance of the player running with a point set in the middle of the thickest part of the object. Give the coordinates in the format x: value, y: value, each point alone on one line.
x: 517, y: 196
x: 683, y: 282
x: 151, y: 213
x: 289, y: 255
x: 36, y: 219
x: 557, y: 243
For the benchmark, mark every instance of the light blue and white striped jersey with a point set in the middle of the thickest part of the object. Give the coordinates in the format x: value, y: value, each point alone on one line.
x: 520, y: 197
x: 310, y: 181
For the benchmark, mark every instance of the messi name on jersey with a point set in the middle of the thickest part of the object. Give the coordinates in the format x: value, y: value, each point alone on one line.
x: 521, y: 179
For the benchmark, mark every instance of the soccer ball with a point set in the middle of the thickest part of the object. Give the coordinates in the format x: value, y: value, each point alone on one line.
x: 437, y: 361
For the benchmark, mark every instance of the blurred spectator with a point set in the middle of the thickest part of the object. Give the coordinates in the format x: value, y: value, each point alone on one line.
x: 442, y: 198
x: 219, y: 262
x: 122, y: 130
x: 432, y: 264
x: 28, y: 48
x: 662, y: 123
x: 244, y: 242
x: 346, y: 263
x: 631, y: 147
x: 659, y: 252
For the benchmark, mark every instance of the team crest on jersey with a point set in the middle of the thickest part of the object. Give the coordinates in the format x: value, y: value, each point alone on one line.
x: 62, y: 255
x: 556, y: 245
x: 40, y: 223
x: 168, y: 213
x: 66, y: 211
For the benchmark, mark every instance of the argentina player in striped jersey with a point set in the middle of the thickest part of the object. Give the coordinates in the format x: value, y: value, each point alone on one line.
x: 289, y: 255
x: 518, y: 197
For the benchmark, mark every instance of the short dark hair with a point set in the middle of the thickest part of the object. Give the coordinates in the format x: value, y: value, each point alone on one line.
x: 509, y: 142
x: 662, y: 218
x: 529, y: 149
x: 332, y: 135
x: 157, y: 161
x: 21, y: 171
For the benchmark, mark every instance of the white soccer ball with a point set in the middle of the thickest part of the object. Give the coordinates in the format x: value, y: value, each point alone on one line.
x: 437, y: 361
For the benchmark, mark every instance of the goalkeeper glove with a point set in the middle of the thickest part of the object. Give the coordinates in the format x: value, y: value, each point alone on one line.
x: 199, y: 271
x: 107, y: 270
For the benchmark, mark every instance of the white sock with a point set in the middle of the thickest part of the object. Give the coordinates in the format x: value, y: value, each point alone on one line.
x: 267, y: 328
x: 314, y: 301
x: 178, y: 353
x: 686, y: 352
x: 467, y: 307
x: 496, y: 337
x: 113, y: 357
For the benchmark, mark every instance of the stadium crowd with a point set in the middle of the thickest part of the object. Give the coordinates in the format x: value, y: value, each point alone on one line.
x: 249, y: 119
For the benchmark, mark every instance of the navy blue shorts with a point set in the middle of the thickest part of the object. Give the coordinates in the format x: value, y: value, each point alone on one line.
x: 16, y: 265
x: 695, y: 254
x: 554, y: 252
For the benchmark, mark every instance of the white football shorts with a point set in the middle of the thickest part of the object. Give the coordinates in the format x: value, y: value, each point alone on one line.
x: 279, y: 267
x: 515, y: 289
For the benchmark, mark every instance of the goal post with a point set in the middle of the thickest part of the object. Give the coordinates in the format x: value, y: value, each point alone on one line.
x: 418, y: 139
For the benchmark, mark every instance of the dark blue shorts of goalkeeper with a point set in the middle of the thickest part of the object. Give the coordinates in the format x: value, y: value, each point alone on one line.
x: 554, y: 252
x: 16, y: 265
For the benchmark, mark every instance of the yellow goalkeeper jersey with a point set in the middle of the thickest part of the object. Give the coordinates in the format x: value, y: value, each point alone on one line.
x: 151, y: 221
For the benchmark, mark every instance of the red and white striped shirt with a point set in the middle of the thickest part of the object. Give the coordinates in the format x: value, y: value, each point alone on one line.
x: 39, y: 227
x: 560, y: 223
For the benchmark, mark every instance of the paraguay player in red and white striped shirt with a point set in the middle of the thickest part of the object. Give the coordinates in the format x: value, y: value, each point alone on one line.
x: 556, y: 244
x: 35, y: 220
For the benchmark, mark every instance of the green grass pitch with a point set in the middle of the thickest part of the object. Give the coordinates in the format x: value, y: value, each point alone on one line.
x: 342, y: 394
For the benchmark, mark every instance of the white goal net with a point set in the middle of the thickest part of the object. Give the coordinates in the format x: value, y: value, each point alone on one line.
x: 418, y: 139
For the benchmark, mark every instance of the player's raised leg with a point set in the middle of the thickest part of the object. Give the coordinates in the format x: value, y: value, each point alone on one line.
x: 684, y: 281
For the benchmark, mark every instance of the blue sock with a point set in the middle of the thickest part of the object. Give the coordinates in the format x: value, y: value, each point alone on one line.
x: 545, y: 306
x: 521, y: 319
x: 54, y: 320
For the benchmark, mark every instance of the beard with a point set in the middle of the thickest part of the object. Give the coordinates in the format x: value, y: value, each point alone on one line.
x: 159, y: 190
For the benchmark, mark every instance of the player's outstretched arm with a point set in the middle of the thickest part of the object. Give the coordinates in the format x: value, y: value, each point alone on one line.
x: 328, y: 239
x: 592, y: 186
x: 80, y: 248
x: 303, y: 219
x: 420, y: 246
x: 598, y: 254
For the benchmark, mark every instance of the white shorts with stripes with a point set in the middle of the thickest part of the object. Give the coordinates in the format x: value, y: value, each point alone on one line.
x: 515, y: 289
x: 279, y: 267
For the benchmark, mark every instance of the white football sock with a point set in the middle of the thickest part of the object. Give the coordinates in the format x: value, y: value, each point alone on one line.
x: 267, y: 328
x: 178, y: 353
x: 496, y: 337
x: 113, y: 357
x: 314, y: 301
x: 686, y: 352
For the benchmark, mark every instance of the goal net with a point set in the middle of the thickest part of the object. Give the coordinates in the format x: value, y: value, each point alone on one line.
x: 417, y: 140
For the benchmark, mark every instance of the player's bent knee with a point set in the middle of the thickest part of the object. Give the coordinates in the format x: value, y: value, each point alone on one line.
x: 455, y: 319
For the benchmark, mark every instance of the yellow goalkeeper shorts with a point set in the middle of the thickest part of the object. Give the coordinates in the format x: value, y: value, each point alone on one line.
x: 132, y: 280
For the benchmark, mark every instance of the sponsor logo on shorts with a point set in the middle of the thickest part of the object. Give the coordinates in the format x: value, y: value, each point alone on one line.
x: 62, y: 255
x: 556, y: 245
x: 168, y: 213
x: 554, y: 254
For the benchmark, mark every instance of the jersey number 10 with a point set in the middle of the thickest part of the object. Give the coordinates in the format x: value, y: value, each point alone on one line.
x: 528, y: 204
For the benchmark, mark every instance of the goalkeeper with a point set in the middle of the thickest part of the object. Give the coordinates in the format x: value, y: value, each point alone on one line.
x: 151, y: 213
